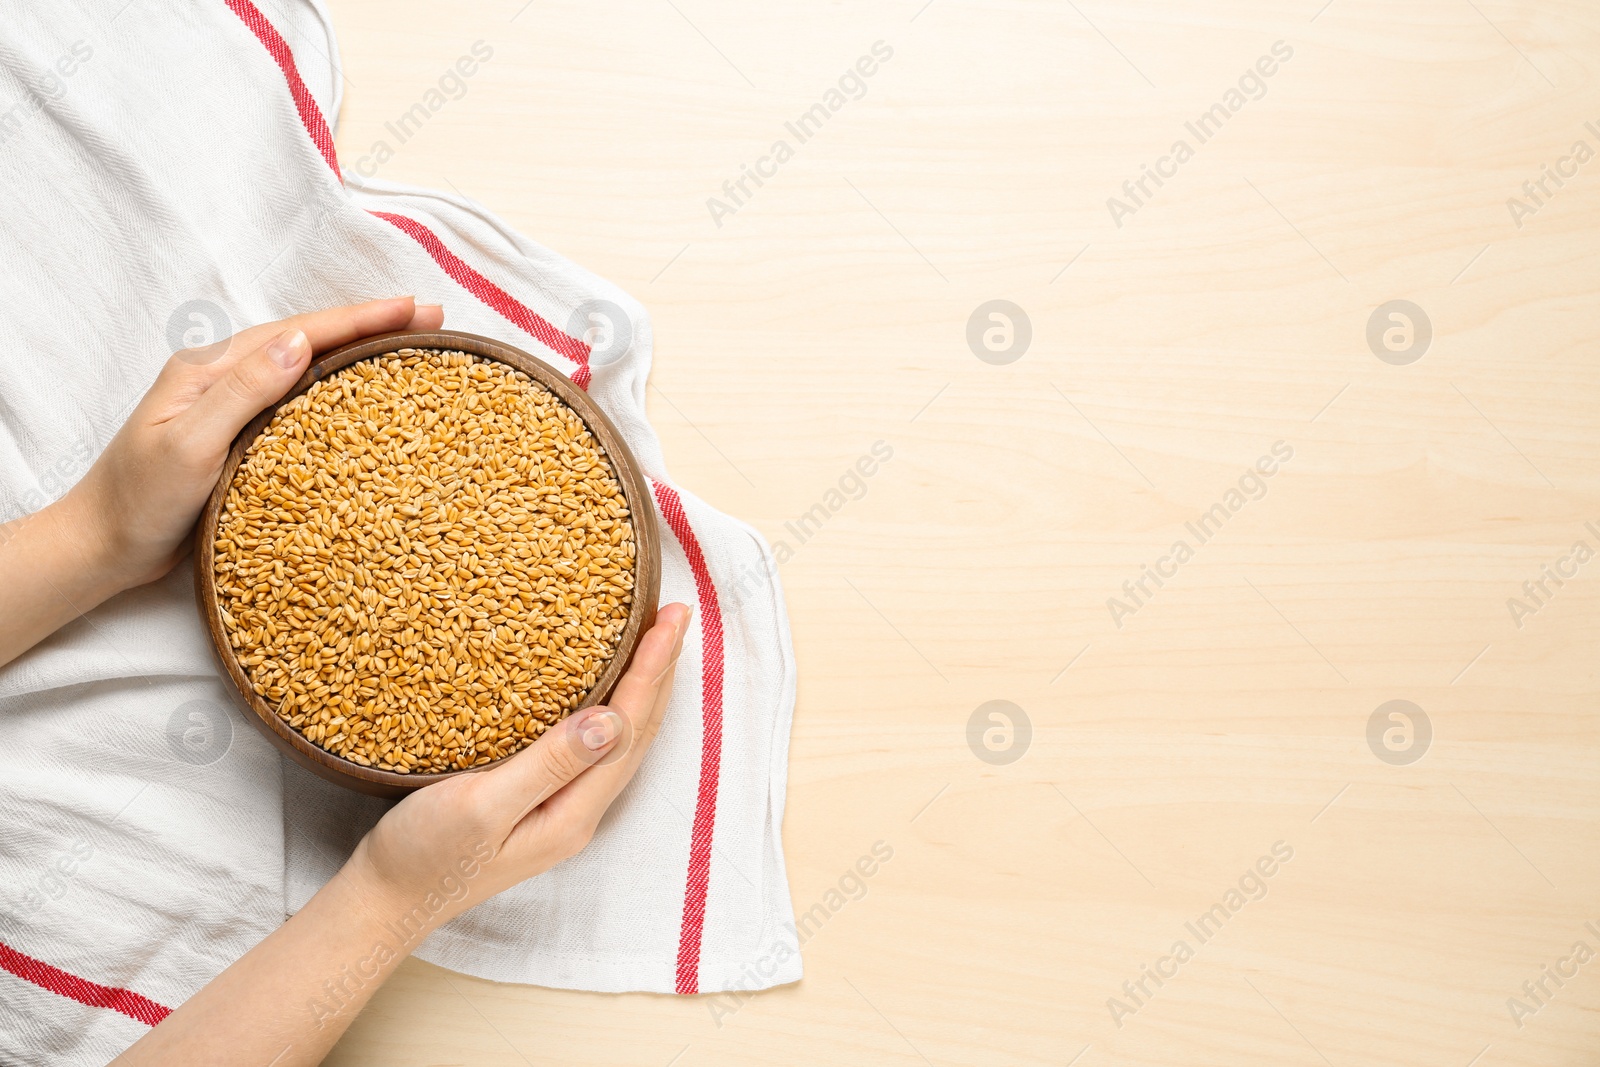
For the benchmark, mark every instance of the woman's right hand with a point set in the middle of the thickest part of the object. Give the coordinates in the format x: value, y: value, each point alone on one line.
x: 435, y: 854
x: 450, y: 845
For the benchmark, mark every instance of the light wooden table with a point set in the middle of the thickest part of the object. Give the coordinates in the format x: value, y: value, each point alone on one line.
x: 1229, y: 311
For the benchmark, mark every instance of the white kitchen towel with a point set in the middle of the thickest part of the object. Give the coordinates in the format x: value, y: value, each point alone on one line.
x: 168, y: 175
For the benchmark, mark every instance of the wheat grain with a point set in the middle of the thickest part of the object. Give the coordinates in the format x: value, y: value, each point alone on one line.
x: 424, y: 561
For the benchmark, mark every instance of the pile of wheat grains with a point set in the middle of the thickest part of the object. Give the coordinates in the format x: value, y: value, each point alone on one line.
x: 424, y: 561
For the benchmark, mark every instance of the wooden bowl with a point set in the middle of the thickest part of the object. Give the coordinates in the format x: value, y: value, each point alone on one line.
x: 647, y: 548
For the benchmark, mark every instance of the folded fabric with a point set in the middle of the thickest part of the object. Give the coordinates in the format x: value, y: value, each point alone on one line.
x: 169, y: 176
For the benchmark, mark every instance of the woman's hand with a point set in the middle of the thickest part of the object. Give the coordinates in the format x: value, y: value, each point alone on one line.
x: 448, y: 846
x: 133, y: 512
x: 436, y: 853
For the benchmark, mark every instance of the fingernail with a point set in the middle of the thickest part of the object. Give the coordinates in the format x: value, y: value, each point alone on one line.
x: 601, y: 729
x: 429, y: 307
x: 287, y: 347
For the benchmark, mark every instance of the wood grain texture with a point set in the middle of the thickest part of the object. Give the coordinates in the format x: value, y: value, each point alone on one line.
x: 1227, y: 313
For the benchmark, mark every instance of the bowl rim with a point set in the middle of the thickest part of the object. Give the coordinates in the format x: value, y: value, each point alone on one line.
x: 635, y: 488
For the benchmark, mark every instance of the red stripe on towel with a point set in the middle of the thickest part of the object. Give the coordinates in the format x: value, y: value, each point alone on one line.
x: 304, y: 102
x: 469, y: 279
x: 81, y: 990
x: 705, y: 809
x: 515, y: 312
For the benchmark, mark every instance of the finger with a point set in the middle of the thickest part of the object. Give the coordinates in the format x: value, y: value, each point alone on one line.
x: 586, y: 800
x: 325, y: 329
x: 658, y: 650
x: 208, y: 426
x: 572, y: 813
x: 192, y: 371
x: 321, y: 330
x: 654, y: 654
x: 426, y: 317
x: 562, y: 754
x: 641, y: 698
x: 341, y: 325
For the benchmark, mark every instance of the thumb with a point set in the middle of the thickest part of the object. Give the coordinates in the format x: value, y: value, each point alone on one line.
x: 258, y: 379
x: 565, y: 751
